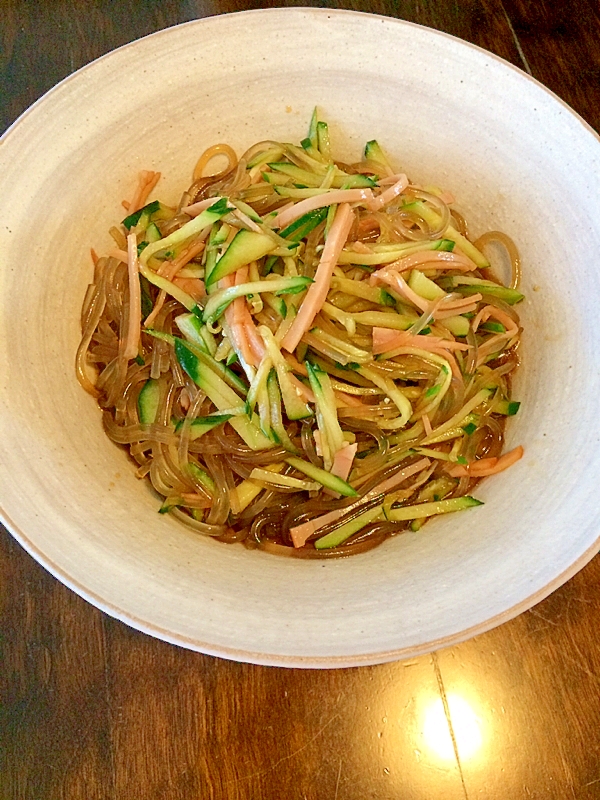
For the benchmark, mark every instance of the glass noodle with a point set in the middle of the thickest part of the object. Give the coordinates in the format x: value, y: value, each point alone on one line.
x: 303, y: 355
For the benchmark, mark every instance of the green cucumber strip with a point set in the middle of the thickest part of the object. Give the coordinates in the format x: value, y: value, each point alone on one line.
x: 458, y: 326
x: 314, y: 179
x: 327, y: 418
x: 166, y: 337
x: 346, y: 352
x: 358, y: 181
x: 218, y: 235
x: 248, y: 211
x: 186, y: 300
x: 373, y: 152
x: 275, y: 178
x: 132, y: 220
x: 339, y: 535
x: 467, y: 285
x: 206, y: 359
x: 148, y: 402
x: 424, y: 286
x: 392, y: 253
x: 153, y: 233
x: 201, y: 425
x: 169, y: 503
x: 323, y: 140
x: 507, y: 407
x: 220, y: 394
x: 300, y: 228
x: 276, y: 418
x: 246, y: 246
x: 391, y: 389
x: 267, y: 155
x: 481, y: 396
x: 191, y: 327
x: 331, y: 212
x: 295, y: 407
x: 209, y: 340
x: 264, y: 411
x: 432, y: 218
x: 259, y: 380
x: 310, y: 150
x: 196, y: 333
x: 493, y: 327
x: 510, y: 296
x: 218, y: 302
x: 202, y: 477
x: 321, y: 476
x: 437, y: 489
x: 208, y: 217
x: 276, y: 303
x: 423, y: 510
x: 362, y: 289
x: 469, y: 428
x: 301, y: 176
x: 383, y: 319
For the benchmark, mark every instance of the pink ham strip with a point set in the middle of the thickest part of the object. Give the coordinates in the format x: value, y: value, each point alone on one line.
x: 328, y: 198
x: 455, y: 307
x: 254, y: 339
x: 193, y: 286
x: 240, y: 277
x: 244, y: 318
x: 197, y: 208
x: 440, y: 310
x: 393, y: 278
x: 240, y: 342
x: 487, y: 466
x: 426, y: 425
x: 317, y: 293
x: 512, y: 329
x: 301, y: 533
x: 482, y: 316
x: 146, y: 182
x: 389, y: 180
x: 342, y: 461
x: 246, y: 339
x: 342, y: 464
x: 447, y: 259
x: 386, y: 197
x: 385, y: 339
x: 169, y: 269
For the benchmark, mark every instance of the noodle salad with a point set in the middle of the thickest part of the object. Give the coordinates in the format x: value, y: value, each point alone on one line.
x: 303, y: 355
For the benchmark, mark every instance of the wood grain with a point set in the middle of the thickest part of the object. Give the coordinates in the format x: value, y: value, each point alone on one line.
x: 92, y: 710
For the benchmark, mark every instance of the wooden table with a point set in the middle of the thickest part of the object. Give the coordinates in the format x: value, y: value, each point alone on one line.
x: 92, y: 710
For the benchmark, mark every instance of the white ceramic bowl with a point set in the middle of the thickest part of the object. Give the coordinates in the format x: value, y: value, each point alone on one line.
x: 515, y: 157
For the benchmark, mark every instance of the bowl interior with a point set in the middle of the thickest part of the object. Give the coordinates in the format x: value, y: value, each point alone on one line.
x: 520, y: 161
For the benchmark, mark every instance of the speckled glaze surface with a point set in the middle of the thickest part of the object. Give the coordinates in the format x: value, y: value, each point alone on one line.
x: 515, y: 157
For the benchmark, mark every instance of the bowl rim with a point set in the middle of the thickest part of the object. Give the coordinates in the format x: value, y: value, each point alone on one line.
x: 296, y: 661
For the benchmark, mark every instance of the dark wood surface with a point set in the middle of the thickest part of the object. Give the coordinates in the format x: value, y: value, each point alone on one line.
x: 92, y: 710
